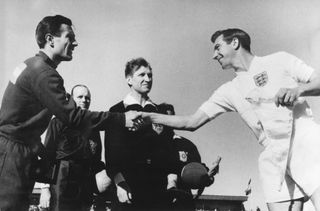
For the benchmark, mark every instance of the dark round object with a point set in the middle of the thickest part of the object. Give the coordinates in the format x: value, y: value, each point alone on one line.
x: 194, y: 175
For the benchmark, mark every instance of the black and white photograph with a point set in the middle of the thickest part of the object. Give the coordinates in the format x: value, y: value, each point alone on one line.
x: 160, y: 105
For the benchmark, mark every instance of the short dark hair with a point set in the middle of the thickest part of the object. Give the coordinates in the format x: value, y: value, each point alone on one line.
x: 79, y: 85
x: 50, y: 24
x: 165, y: 107
x: 134, y: 64
x: 230, y: 34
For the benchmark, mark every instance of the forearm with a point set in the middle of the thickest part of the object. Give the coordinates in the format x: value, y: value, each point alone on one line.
x: 190, y: 123
x: 310, y: 89
x: 53, y: 97
x: 176, y: 122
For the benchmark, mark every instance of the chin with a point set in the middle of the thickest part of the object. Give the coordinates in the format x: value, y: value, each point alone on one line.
x: 67, y: 57
x: 225, y: 67
x: 145, y: 91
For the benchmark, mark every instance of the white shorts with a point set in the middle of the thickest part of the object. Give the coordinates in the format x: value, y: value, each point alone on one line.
x: 302, y: 176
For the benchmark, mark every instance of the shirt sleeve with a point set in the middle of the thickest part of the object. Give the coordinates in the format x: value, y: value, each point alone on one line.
x: 49, y: 89
x: 98, y: 165
x: 298, y: 69
x: 51, y: 138
x: 218, y: 103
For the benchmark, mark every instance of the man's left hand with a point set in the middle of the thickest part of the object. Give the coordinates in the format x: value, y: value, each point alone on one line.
x: 287, y: 96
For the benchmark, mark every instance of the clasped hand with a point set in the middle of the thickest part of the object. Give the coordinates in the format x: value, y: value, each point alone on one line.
x: 135, y: 120
x: 287, y: 96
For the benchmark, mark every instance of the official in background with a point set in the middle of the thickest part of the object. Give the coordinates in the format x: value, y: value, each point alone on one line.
x: 79, y: 159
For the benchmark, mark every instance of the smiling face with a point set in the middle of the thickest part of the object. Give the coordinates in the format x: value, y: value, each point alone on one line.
x: 141, y: 80
x: 82, y: 97
x: 64, y: 44
x: 224, y: 52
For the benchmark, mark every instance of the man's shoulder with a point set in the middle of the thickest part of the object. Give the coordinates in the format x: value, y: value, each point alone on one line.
x: 56, y: 121
x: 119, y: 107
x: 37, y: 66
x: 185, y: 145
x: 277, y: 56
x: 180, y: 140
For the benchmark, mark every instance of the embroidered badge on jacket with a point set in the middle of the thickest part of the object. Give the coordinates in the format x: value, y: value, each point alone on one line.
x: 17, y: 72
x: 261, y: 79
x: 157, y: 128
x: 183, y: 156
x: 93, y: 146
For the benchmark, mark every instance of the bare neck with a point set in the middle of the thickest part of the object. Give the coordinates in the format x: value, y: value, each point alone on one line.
x: 50, y: 54
x: 243, y: 61
x: 141, y: 98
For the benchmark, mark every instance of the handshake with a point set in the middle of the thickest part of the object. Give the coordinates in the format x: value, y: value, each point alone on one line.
x: 136, y: 120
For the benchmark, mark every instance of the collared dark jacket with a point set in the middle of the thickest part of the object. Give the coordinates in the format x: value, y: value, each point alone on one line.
x: 188, y: 152
x: 144, y: 157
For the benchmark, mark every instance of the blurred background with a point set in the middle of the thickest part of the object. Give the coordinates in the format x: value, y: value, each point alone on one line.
x: 174, y: 36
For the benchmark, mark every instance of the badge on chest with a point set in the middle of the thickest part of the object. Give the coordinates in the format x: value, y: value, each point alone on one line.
x: 157, y: 128
x: 261, y: 79
x: 183, y: 156
x: 93, y: 146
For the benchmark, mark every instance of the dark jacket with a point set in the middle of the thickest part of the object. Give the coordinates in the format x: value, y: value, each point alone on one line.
x: 64, y: 143
x: 144, y: 157
x: 34, y: 94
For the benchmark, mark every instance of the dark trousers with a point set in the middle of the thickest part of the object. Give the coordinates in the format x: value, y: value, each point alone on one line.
x: 74, y: 188
x: 16, y: 183
x: 148, y: 187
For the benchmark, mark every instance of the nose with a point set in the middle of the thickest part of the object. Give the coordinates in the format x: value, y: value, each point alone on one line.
x: 147, y: 78
x: 75, y: 43
x: 82, y: 100
x: 215, y: 55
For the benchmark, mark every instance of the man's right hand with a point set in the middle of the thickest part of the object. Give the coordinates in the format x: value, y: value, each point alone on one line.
x: 133, y: 120
x: 124, y: 193
x: 44, y: 201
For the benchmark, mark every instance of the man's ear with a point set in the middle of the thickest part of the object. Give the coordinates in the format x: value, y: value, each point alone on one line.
x: 235, y: 43
x: 49, y: 39
x: 129, y: 81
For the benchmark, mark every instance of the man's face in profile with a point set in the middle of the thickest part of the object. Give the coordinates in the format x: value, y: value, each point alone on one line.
x: 65, y: 43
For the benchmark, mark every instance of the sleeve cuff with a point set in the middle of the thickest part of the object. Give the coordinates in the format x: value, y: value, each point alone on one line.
x: 118, y: 178
x: 44, y: 185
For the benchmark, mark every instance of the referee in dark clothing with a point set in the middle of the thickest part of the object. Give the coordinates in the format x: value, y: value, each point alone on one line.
x: 140, y: 161
x: 34, y: 93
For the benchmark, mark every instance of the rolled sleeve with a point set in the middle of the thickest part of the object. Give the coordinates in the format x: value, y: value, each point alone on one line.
x: 298, y: 69
x: 218, y: 103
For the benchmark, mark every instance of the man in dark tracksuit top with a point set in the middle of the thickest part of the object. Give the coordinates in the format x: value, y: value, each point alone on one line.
x: 139, y: 161
x: 35, y: 93
x: 79, y: 158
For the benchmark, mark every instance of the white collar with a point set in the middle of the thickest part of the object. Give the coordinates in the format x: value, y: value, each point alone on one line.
x: 130, y: 100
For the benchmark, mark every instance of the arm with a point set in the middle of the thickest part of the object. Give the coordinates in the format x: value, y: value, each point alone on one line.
x: 287, y: 96
x: 51, y: 139
x: 312, y: 88
x: 98, y: 164
x: 191, y: 122
x: 48, y: 88
x: 123, y: 189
